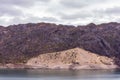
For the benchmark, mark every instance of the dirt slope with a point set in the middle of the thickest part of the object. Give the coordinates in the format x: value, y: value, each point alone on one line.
x: 21, y: 44
x: 72, y: 59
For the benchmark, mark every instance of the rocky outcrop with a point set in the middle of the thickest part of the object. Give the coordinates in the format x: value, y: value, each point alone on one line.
x: 35, y: 44
x: 72, y: 59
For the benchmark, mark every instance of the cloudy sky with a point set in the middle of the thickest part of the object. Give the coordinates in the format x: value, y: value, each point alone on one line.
x: 74, y: 12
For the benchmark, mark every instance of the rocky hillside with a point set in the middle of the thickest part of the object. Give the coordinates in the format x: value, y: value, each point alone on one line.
x: 71, y: 59
x: 20, y: 43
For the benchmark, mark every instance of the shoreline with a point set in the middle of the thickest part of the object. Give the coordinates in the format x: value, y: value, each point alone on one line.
x: 60, y: 67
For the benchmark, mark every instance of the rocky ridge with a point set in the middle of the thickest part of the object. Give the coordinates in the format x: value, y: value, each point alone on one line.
x: 47, y: 45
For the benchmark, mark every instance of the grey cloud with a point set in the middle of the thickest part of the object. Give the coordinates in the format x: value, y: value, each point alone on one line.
x: 107, y: 12
x: 48, y: 19
x: 21, y: 3
x: 73, y: 3
x: 80, y: 3
x: 16, y: 2
x: 19, y: 20
x: 114, y: 10
x: 8, y: 7
x: 60, y: 10
x: 40, y: 19
x: 11, y: 11
x: 30, y: 19
x: 75, y: 16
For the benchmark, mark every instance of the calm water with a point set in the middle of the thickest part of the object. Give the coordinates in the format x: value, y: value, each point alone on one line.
x: 59, y: 74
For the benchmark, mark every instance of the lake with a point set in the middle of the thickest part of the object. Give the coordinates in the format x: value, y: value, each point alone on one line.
x: 27, y: 74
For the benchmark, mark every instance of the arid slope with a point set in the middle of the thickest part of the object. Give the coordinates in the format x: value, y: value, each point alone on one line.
x: 25, y: 42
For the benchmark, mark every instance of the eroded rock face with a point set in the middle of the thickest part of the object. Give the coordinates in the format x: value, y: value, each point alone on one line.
x: 20, y: 43
x: 72, y: 59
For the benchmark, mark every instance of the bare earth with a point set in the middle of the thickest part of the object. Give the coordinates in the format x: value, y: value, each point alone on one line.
x: 70, y: 59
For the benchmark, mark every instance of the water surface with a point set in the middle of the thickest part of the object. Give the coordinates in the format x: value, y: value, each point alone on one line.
x: 39, y: 74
